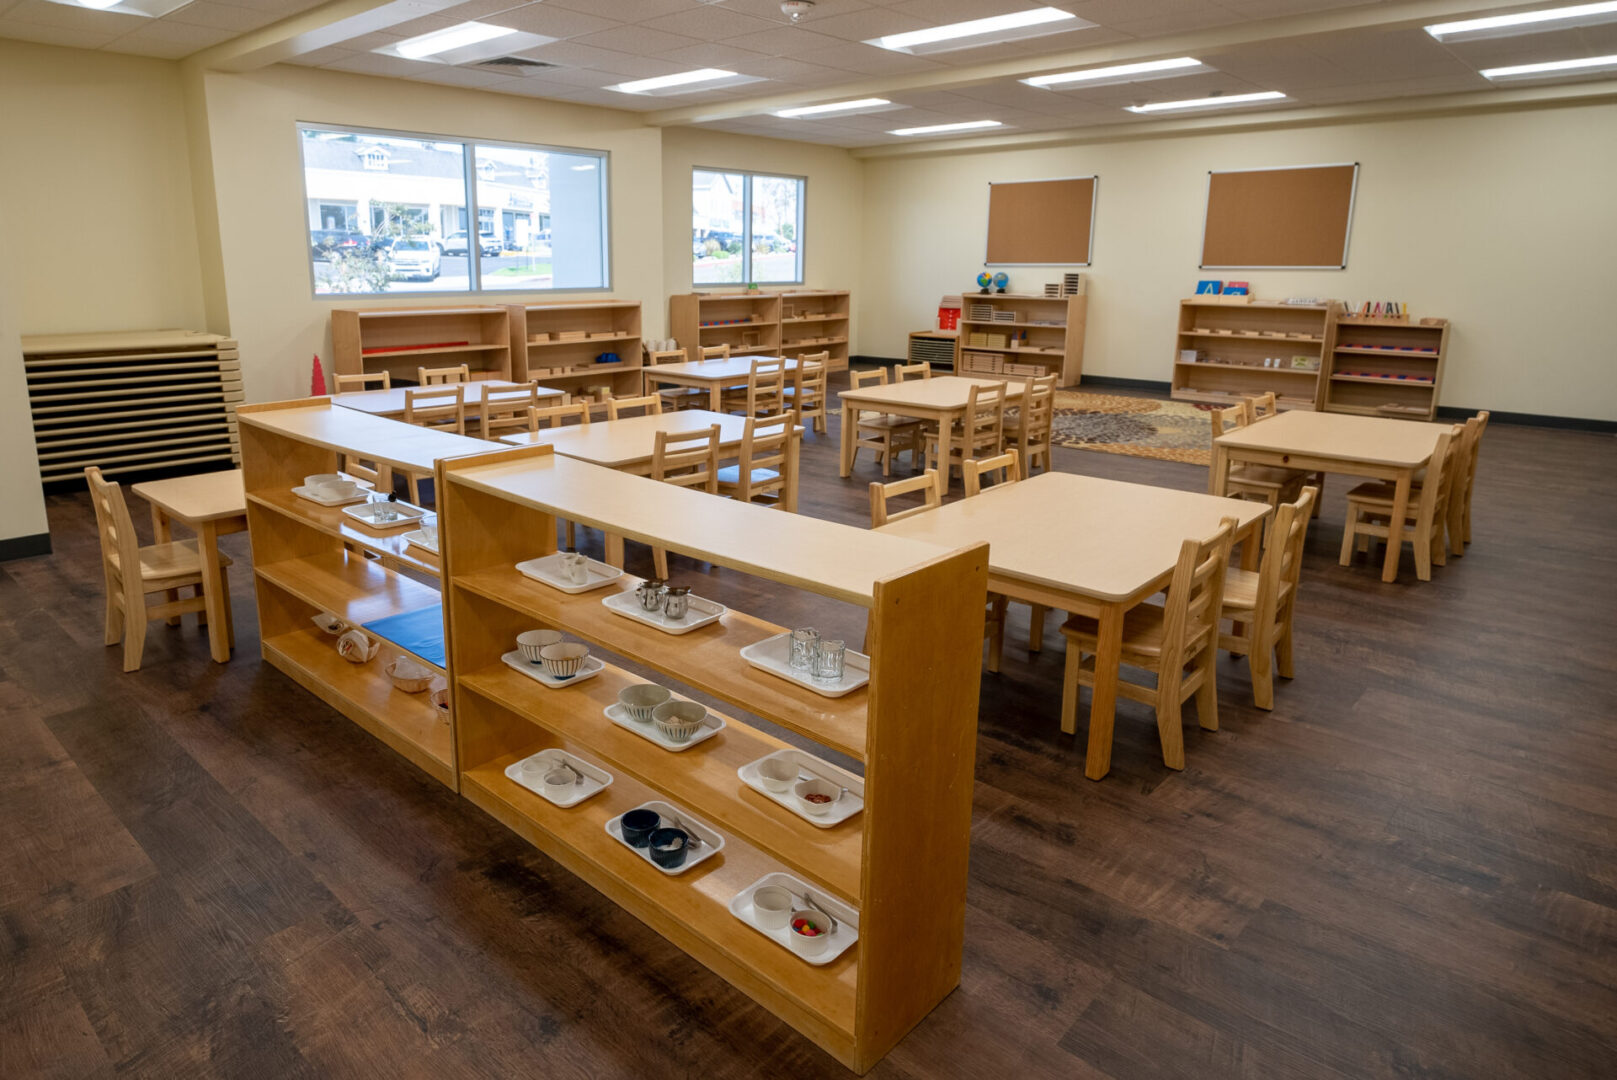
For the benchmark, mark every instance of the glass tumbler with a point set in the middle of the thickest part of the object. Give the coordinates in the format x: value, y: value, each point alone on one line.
x: 828, y: 660
x: 803, y: 643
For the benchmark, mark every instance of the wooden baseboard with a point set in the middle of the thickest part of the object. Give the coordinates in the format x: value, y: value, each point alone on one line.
x: 25, y: 547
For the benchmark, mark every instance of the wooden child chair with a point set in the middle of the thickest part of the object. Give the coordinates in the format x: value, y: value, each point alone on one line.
x: 761, y: 471
x: 979, y: 433
x: 552, y: 417
x: 370, y: 380
x: 1465, y: 476
x: 1260, y: 603
x: 441, y: 376
x: 619, y: 408
x: 1008, y: 466
x: 905, y: 372
x: 508, y: 408
x: 765, y: 392
x: 881, y: 433
x: 1369, y: 510
x: 882, y: 494
x: 685, y: 459
x: 674, y: 397
x: 1031, y: 427
x: 1260, y: 483
x: 379, y: 475
x: 442, y: 408
x: 132, y: 573
x: 807, y: 395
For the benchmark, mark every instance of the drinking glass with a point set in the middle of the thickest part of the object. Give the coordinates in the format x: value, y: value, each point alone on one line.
x: 828, y: 660
x: 803, y: 643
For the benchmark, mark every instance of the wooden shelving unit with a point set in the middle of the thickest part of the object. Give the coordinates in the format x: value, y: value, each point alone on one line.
x: 400, y: 340
x: 813, y: 321
x: 1387, y: 367
x: 1236, y: 339
x: 745, y: 321
x: 1045, y: 336
x: 556, y: 345
x: 309, y: 558
x: 934, y: 347
x: 901, y: 861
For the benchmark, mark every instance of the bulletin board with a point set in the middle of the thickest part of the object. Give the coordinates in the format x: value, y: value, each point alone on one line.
x: 1294, y: 218
x: 1041, y: 222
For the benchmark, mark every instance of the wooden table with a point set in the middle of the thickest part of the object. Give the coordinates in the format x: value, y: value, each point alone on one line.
x: 941, y: 400
x: 211, y: 505
x: 714, y: 376
x: 627, y: 445
x: 390, y: 403
x: 1336, y: 443
x: 1083, y: 545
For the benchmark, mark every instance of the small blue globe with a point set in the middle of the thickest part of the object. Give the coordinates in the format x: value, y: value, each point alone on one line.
x: 984, y: 279
x: 1001, y: 280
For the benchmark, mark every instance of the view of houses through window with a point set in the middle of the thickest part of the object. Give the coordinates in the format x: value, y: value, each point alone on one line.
x: 392, y: 213
x: 746, y: 227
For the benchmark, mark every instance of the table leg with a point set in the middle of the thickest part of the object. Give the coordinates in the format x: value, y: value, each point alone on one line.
x: 1395, y: 525
x: 1103, y: 702
x: 614, y: 549
x: 945, y: 448
x: 789, y: 496
x: 162, y: 534
x: 213, y: 596
x: 1218, y: 473
x: 850, y: 424
x: 715, y: 398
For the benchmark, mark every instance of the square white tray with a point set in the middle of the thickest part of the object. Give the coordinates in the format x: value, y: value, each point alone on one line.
x: 846, y: 933
x: 592, y: 667
x: 366, y: 515
x: 774, y: 656
x: 710, y: 727
x: 595, y: 777
x: 548, y: 570
x: 699, y: 613
x: 845, y: 808
x: 712, y: 841
x: 418, y: 539
x: 306, y: 493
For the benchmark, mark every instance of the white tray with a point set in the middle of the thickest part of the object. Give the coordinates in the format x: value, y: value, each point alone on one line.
x: 595, y: 778
x: 699, y: 613
x: 418, y: 539
x: 711, y: 726
x: 712, y: 841
x: 846, y: 933
x: 548, y: 570
x: 366, y: 514
x: 303, y: 492
x: 845, y: 808
x: 774, y: 656
x: 593, y: 666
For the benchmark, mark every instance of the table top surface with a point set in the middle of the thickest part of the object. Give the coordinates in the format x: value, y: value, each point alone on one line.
x: 616, y: 443
x: 1371, y: 440
x: 387, y: 402
x: 200, y: 497
x: 940, y: 392
x: 373, y: 438
x: 1105, y: 539
x: 733, y: 369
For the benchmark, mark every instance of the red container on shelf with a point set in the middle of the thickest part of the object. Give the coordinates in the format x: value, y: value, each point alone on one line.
x: 948, y: 318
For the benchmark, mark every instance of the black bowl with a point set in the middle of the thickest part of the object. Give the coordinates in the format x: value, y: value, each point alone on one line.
x: 674, y: 844
x: 637, y: 826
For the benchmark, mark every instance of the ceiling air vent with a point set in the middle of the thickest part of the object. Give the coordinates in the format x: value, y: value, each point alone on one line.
x: 512, y: 65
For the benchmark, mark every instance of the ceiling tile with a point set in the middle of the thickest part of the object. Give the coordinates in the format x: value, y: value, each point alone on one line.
x: 709, y: 22
x: 719, y: 55
x: 639, y: 40
x: 549, y: 20
x: 874, y: 23
x: 53, y: 35
x: 370, y: 63
x: 41, y: 13
x: 783, y: 41
x: 624, y: 10
x: 221, y: 16
x: 851, y: 56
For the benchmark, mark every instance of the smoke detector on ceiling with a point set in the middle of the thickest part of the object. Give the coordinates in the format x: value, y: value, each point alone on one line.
x: 796, y: 9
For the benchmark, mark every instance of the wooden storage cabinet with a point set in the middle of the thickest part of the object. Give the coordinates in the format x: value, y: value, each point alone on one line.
x: 1387, y: 367
x: 1236, y: 339
x: 1032, y: 336
x: 401, y: 340
x: 934, y: 347
x: 556, y: 345
x: 813, y: 321
x: 901, y: 861
x: 747, y: 322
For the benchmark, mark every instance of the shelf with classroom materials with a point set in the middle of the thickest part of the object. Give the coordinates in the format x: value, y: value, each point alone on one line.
x: 1387, y: 367
x: 750, y: 322
x: 309, y: 559
x: 1234, y: 341
x: 911, y: 837
x: 557, y: 345
x: 816, y: 313
x: 1049, y: 328
x: 400, y: 340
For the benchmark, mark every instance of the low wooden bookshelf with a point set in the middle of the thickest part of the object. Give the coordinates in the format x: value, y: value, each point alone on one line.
x: 901, y: 861
x: 399, y: 341
x: 557, y: 345
x: 1387, y: 367
x: 813, y: 321
x: 1235, y: 339
x: 1020, y: 336
x: 748, y: 322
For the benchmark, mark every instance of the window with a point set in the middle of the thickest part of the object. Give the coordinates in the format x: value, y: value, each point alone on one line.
x: 746, y: 227
x: 388, y: 213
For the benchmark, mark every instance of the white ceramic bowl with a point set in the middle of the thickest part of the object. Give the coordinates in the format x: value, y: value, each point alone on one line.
x: 558, y: 782
x: 772, y: 907
x: 808, y: 946
x: 563, y: 659
x: 531, y: 641
x: 407, y: 675
x: 678, y: 720
x: 805, y: 788
x: 320, y: 480
x: 777, y: 774
x: 337, y: 489
x: 639, y: 700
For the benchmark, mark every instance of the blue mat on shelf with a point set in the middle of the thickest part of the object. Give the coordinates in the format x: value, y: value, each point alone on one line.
x: 422, y: 632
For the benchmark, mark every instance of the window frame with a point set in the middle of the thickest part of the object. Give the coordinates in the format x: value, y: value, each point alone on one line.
x: 468, y: 206
x: 747, y: 176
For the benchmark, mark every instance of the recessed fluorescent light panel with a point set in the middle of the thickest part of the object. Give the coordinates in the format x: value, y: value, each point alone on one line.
x: 1207, y: 102
x: 1552, y: 68
x: 1120, y: 73
x: 685, y: 82
x: 1524, y: 22
x: 834, y: 108
x: 465, y: 43
x: 150, y: 9
x: 944, y: 129
x: 994, y: 30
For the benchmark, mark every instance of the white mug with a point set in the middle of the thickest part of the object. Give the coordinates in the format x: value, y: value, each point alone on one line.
x: 575, y: 568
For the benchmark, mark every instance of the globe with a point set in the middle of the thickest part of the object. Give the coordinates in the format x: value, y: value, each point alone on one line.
x: 1001, y: 280
x: 984, y: 280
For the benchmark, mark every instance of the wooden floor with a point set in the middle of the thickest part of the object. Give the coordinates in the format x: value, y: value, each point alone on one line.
x: 1408, y: 868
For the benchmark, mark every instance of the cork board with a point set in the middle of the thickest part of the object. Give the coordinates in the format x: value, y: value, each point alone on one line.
x: 1041, y: 222
x: 1293, y: 218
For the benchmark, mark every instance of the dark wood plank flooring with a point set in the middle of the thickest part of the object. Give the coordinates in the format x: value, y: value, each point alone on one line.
x: 1408, y: 868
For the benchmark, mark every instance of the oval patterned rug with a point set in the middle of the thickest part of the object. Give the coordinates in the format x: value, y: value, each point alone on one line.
x: 1135, y: 426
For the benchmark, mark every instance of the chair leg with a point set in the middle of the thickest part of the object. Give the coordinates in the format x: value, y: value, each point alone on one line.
x: 135, y: 623
x: 1069, y: 689
x: 415, y: 490
x: 230, y: 617
x: 1260, y: 668
x: 1283, y: 666
x: 572, y: 538
x: 1207, y: 692
x: 996, y: 633
x: 1423, y: 552
x: 174, y: 596
x: 202, y: 612
x: 1350, y: 531
x: 659, y: 559
x: 1169, y: 731
x: 886, y: 453
x: 115, y: 618
x: 1035, y: 627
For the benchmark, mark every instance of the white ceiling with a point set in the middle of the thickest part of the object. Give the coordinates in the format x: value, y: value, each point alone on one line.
x: 602, y: 42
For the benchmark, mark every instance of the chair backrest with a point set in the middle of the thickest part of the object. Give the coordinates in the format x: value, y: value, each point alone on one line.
x: 874, y: 377
x: 428, y: 376
x: 370, y: 380
x: 1231, y: 419
x: 1440, y: 472
x: 763, y: 446
x: 1466, y: 475
x: 1260, y: 406
x: 120, y: 547
x: 985, y: 418
x: 1195, y: 595
x: 618, y: 408
x: 1038, y: 411
x: 1283, y: 551
x: 921, y: 370
x: 1008, y: 464
x: 882, y: 494
x: 766, y: 386
x: 715, y: 352
x: 509, y: 407
x: 539, y: 419
x: 809, y: 381
x: 687, y: 458
x: 665, y: 356
x: 438, y: 407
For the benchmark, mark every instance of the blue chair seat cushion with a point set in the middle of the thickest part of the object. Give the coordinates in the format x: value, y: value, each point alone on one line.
x: 731, y: 474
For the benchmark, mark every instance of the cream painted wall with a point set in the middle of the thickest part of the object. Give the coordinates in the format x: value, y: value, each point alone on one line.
x: 95, y: 192
x: 20, y: 493
x: 1505, y: 223
x: 833, y: 223
x: 258, y: 190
